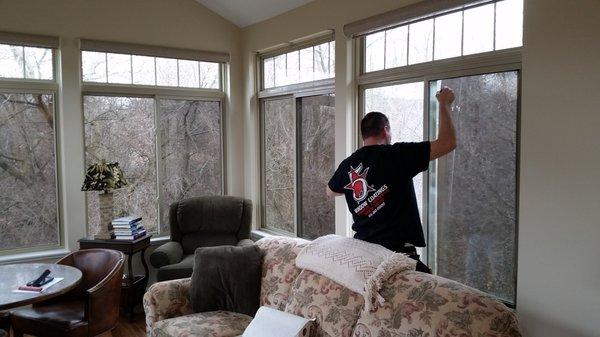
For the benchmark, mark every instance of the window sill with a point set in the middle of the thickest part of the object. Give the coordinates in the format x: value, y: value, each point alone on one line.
x: 157, y: 241
x: 34, y: 256
x: 257, y: 234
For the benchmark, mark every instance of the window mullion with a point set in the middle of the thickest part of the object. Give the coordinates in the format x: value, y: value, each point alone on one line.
x: 298, y: 173
x: 159, y: 164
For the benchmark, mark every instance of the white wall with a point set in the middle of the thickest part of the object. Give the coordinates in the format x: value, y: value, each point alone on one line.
x: 559, y: 219
x: 170, y: 23
x: 558, y: 288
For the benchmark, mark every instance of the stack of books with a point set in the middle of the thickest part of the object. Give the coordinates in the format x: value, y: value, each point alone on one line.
x: 127, y: 228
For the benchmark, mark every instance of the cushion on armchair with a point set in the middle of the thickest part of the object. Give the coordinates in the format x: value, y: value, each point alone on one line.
x: 227, y: 278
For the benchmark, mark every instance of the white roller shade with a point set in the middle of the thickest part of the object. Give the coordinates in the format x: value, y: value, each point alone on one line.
x: 29, y: 40
x: 410, y: 13
x: 139, y: 49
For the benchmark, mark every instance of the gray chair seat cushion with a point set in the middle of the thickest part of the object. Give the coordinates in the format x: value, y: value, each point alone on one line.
x: 179, y: 270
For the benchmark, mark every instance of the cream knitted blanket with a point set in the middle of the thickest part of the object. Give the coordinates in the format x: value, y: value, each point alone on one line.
x: 357, y: 265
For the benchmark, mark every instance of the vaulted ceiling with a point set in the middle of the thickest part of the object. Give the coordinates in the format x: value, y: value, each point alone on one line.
x: 246, y: 12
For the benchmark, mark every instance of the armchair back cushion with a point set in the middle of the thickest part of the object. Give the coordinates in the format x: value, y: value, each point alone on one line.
x: 95, y: 265
x: 210, y: 221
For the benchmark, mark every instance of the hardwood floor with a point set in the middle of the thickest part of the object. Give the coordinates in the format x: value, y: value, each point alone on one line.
x: 125, y: 328
x: 137, y: 328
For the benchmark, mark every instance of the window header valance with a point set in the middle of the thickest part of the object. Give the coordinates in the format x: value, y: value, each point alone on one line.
x: 145, y: 50
x: 307, y: 41
x: 29, y: 40
x: 410, y: 13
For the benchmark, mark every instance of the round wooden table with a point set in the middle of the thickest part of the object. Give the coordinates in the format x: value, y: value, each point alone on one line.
x: 14, y: 275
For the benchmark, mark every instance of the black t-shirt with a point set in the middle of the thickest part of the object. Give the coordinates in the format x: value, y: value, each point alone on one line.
x: 377, y: 183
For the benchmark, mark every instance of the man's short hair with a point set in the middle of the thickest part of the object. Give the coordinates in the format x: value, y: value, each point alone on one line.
x: 373, y: 124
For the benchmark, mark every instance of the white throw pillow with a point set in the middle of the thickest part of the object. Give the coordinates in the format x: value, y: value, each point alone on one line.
x: 357, y: 265
x: 269, y: 322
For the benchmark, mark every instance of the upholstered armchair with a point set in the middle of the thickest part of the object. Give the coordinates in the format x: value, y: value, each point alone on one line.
x: 201, y: 222
x: 90, y: 309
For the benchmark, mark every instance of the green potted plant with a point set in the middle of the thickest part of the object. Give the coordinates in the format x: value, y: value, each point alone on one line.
x: 104, y: 177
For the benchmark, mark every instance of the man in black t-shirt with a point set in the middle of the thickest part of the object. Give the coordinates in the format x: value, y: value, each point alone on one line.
x: 377, y: 181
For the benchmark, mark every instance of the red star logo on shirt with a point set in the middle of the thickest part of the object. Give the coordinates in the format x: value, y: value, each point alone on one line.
x: 358, y: 183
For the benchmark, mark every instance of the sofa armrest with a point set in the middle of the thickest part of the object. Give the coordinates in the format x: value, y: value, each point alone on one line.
x: 168, y: 253
x: 167, y: 299
x: 245, y: 242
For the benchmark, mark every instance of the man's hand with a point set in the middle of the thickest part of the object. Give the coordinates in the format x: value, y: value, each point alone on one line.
x: 446, y: 140
x: 445, y: 97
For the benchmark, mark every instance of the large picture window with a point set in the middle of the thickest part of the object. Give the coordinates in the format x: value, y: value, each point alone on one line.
x: 467, y: 199
x: 161, y: 118
x: 297, y: 109
x: 29, y: 216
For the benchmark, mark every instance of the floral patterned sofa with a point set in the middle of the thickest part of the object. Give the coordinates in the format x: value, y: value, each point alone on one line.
x: 416, y: 304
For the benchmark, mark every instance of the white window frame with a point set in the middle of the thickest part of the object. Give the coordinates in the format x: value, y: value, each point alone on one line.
x: 48, y: 87
x: 475, y: 64
x: 295, y: 92
x: 169, y: 93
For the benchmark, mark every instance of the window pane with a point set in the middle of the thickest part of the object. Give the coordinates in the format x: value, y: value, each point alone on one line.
x: 121, y: 129
x: 509, y: 24
x: 374, y: 51
x: 28, y: 174
x: 269, y: 73
x: 119, y: 68
x: 190, y: 135
x: 306, y: 65
x: 293, y: 67
x: 321, y: 54
x: 11, y: 61
x: 420, y: 46
x: 395, y: 47
x: 332, y: 59
x: 93, y: 66
x: 38, y: 63
x: 210, y: 75
x: 403, y: 105
x: 166, y: 72
x: 280, y: 71
x: 479, y: 30
x: 448, y: 35
x: 318, y: 162
x: 189, y: 74
x: 280, y: 164
x: 474, y: 200
x: 143, y: 70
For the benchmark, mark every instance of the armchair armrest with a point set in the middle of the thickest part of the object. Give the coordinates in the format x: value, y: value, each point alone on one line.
x: 245, y: 242
x: 168, y: 253
x: 167, y: 299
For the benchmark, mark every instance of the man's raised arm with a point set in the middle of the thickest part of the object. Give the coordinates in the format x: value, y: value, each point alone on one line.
x: 446, y: 139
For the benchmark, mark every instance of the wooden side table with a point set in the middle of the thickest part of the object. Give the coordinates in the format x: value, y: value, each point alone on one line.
x: 133, y: 286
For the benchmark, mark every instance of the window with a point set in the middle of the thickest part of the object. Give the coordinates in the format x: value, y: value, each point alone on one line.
x: 29, y: 217
x: 299, y: 66
x: 113, y: 68
x: 121, y: 129
x: 484, y: 28
x: 298, y: 144
x: 190, y: 151
x: 32, y: 63
x: 467, y: 199
x: 167, y: 140
x: 473, y: 190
